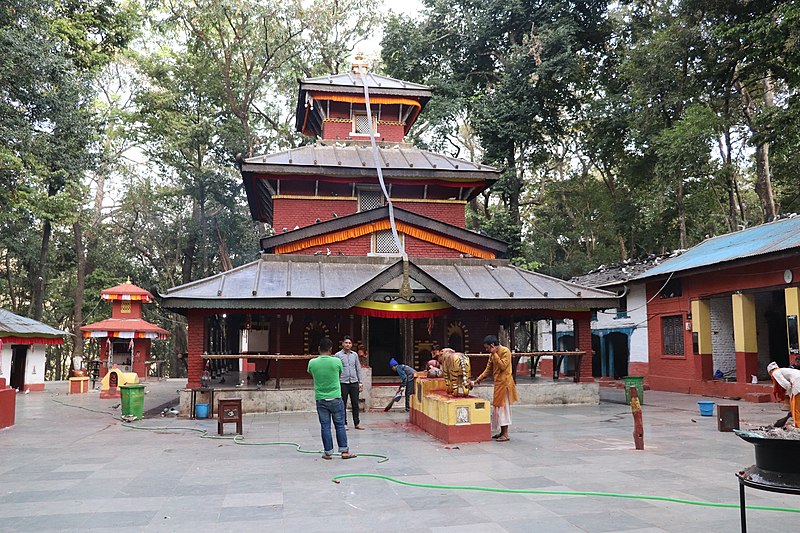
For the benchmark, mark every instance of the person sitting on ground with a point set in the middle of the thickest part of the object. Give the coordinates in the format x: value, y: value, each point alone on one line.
x: 406, y: 374
x: 326, y: 370
x: 787, y: 380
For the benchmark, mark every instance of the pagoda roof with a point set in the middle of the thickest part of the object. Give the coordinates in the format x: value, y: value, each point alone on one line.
x: 351, y: 85
x: 332, y: 282
x: 317, y: 232
x: 399, y: 162
x: 13, y: 325
x: 376, y: 83
x: 132, y: 325
x: 126, y: 291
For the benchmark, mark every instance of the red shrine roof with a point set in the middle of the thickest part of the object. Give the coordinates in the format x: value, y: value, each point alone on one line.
x: 126, y: 291
x: 124, y: 328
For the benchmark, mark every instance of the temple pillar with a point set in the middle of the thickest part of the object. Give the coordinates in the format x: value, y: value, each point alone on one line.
x: 792, y: 297
x: 603, y: 364
x: 195, y: 346
x: 583, y: 343
x: 744, y: 336
x: 701, y: 339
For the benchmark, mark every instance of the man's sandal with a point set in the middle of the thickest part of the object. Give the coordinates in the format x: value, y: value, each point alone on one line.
x: 348, y: 455
x: 502, y: 438
x: 327, y: 456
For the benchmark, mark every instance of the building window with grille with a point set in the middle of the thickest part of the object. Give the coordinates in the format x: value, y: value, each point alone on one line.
x: 125, y: 307
x: 622, y: 307
x: 383, y: 243
x: 361, y: 123
x: 672, y: 333
x: 369, y: 199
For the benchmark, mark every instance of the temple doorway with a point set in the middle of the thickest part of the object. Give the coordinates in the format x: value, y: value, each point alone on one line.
x: 19, y: 359
x: 385, y: 342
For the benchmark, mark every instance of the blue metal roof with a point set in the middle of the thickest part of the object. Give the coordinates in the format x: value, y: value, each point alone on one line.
x: 768, y: 238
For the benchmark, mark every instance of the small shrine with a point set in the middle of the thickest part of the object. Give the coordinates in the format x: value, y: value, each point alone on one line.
x: 125, y: 337
x: 23, y: 351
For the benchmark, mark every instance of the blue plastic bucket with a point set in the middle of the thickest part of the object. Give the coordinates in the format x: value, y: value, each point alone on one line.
x: 201, y: 410
x: 706, y: 408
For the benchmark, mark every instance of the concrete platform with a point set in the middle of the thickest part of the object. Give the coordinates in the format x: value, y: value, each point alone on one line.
x: 69, y: 465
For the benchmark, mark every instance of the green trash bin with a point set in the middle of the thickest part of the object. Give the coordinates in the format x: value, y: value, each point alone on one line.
x: 634, y: 381
x: 132, y: 400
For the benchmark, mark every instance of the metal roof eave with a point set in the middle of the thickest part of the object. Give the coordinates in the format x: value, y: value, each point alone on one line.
x: 716, y: 267
x: 489, y: 176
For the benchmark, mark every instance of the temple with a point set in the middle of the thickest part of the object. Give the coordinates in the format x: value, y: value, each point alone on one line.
x: 125, y: 338
x: 331, y: 266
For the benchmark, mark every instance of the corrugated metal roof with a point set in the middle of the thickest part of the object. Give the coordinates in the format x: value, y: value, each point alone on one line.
x: 11, y: 324
x: 772, y: 237
x: 354, y: 155
x: 327, y: 282
x: 489, y: 283
x: 618, y: 273
x: 374, y: 82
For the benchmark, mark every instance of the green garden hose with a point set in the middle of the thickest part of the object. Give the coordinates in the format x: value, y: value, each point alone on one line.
x: 238, y: 439
x: 563, y: 493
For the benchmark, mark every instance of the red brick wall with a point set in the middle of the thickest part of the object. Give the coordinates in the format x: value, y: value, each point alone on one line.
x: 342, y: 130
x: 196, y: 346
x: 289, y: 213
x: 448, y: 213
x: 684, y: 373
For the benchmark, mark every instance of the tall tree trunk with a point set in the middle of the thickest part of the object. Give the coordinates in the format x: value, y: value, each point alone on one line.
x: 80, y: 288
x: 191, y: 245
x: 763, y: 178
x: 40, y: 274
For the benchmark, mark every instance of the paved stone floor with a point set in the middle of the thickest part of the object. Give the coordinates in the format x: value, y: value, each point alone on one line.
x: 69, y: 465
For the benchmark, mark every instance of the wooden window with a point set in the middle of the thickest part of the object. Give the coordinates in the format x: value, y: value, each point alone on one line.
x: 672, y: 289
x: 369, y: 199
x: 383, y: 242
x: 125, y: 307
x: 672, y: 334
x: 622, y: 307
x: 361, y: 123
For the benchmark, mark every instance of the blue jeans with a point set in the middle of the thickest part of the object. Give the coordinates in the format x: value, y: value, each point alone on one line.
x: 327, y: 410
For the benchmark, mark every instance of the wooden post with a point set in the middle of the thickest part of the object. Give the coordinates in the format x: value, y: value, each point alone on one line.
x: 636, y: 411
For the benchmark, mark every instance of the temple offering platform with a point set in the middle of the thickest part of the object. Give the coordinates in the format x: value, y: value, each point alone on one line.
x: 448, y: 418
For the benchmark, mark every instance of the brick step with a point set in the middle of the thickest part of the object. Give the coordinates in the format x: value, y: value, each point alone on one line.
x: 382, y: 395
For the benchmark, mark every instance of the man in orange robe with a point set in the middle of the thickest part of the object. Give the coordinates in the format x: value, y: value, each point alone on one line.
x: 505, y: 391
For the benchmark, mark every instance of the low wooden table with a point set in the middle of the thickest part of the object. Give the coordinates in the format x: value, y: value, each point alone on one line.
x: 230, y: 410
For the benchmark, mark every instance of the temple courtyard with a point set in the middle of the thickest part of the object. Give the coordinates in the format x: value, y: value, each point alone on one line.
x: 70, y: 464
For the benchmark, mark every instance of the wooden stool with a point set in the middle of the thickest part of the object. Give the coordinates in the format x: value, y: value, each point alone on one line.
x: 229, y: 410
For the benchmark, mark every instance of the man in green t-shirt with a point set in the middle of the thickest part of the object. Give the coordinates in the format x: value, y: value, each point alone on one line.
x: 326, y: 370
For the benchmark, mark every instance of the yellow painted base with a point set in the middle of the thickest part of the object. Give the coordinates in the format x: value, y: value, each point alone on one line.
x: 431, y: 400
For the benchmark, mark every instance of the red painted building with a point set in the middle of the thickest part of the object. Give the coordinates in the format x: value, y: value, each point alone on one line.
x: 720, y: 312
x: 330, y: 264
